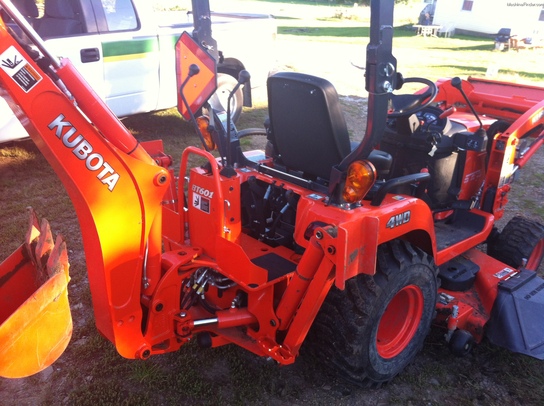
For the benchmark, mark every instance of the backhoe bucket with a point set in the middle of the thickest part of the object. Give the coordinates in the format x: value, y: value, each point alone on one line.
x: 35, y: 319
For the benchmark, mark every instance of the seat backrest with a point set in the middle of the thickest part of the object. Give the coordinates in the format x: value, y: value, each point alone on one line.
x: 308, y: 129
x: 59, y: 19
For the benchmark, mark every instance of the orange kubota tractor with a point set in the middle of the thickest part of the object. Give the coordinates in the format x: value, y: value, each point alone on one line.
x: 357, y: 248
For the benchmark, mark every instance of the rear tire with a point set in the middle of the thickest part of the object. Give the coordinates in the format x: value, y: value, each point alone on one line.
x: 520, y: 240
x: 373, y: 329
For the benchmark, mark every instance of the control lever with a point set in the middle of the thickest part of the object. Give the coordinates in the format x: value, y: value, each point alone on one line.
x: 447, y: 113
x: 478, y: 140
x: 193, y: 71
x: 456, y: 82
x: 243, y: 78
x: 291, y: 202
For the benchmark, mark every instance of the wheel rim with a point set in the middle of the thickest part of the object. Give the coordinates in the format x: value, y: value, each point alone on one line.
x: 536, y: 256
x: 218, y: 100
x: 399, y: 321
x: 221, y: 97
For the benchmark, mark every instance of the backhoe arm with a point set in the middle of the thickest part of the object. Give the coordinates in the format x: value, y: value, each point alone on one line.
x: 116, y: 188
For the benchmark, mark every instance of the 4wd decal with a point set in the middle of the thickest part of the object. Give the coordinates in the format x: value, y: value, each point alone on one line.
x: 16, y: 66
x: 399, y: 219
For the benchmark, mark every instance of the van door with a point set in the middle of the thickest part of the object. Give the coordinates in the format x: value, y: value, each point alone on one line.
x: 110, y: 47
x: 69, y: 30
x: 130, y: 57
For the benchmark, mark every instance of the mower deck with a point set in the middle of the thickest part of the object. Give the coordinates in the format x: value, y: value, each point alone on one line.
x: 478, y: 291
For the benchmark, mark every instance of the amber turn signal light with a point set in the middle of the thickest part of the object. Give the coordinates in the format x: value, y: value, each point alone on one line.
x: 360, y: 177
x: 203, y: 123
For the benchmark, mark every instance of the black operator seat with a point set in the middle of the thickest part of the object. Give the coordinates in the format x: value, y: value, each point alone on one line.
x: 307, y: 126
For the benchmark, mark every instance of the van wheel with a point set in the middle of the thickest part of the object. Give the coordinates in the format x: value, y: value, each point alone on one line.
x: 225, y: 84
x: 521, y: 240
x: 373, y: 329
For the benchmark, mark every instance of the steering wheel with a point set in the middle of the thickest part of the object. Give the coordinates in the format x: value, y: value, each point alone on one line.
x: 408, y: 104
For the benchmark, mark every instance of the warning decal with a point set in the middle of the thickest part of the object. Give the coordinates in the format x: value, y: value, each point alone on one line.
x: 16, y: 66
x: 201, y: 203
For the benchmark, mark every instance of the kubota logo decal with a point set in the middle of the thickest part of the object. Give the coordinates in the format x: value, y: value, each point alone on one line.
x: 82, y: 149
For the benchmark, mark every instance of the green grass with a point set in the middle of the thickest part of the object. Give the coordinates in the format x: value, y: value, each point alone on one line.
x: 327, y: 33
x: 433, y: 58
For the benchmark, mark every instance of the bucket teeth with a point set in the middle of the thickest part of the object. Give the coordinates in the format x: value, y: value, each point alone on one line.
x: 35, y: 319
x: 58, y: 259
x: 47, y: 255
x: 45, y: 242
x: 33, y: 231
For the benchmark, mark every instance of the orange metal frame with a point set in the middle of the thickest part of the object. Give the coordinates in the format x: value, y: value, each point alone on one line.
x: 522, y: 107
x: 116, y: 189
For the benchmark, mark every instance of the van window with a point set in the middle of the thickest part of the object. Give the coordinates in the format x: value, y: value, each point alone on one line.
x: 120, y: 15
